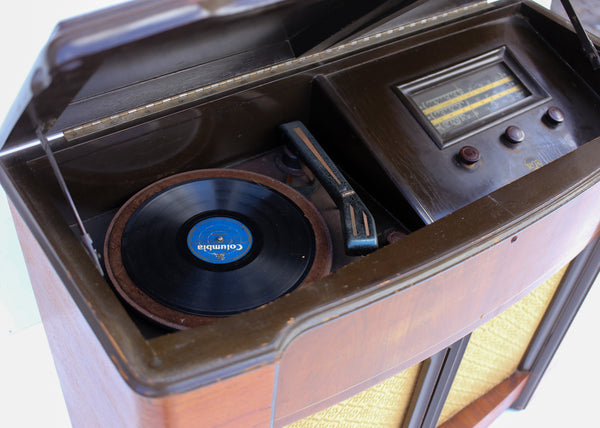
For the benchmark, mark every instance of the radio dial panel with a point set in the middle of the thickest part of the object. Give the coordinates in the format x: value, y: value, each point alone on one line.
x: 446, y: 135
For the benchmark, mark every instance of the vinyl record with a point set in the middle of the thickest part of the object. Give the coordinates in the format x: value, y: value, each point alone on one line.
x: 211, y: 243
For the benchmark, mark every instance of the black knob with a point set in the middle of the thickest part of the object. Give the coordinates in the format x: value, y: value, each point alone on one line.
x: 514, y: 134
x: 555, y: 115
x: 469, y: 155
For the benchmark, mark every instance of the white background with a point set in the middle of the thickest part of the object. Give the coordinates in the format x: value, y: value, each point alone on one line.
x: 30, y: 393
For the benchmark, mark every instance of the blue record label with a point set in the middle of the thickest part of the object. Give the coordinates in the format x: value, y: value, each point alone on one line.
x: 219, y: 240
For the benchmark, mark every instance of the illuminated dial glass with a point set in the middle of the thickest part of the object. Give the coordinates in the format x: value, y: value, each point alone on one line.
x: 470, y: 98
x: 461, y: 100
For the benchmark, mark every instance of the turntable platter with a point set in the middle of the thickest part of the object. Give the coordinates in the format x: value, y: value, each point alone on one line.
x: 212, y: 243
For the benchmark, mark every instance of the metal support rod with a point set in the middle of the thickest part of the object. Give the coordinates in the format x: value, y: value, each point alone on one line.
x: 588, y: 47
x: 86, y: 239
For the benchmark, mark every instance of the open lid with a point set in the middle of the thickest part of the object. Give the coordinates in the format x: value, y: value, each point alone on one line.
x: 141, y: 51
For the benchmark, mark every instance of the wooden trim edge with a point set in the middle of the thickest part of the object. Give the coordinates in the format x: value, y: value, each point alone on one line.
x: 487, y: 408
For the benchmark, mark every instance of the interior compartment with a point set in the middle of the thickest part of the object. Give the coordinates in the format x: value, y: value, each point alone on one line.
x: 343, y: 105
x: 374, y: 104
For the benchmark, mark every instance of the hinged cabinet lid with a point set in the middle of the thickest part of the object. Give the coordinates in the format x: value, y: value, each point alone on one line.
x: 142, y: 51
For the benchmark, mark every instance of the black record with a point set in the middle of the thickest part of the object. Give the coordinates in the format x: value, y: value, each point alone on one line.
x: 159, y: 260
x: 213, y: 246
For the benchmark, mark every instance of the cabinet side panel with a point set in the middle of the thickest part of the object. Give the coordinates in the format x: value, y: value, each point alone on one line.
x: 95, y: 393
x: 243, y: 401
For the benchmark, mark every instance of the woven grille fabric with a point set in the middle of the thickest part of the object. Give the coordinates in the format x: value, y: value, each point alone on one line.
x: 496, y: 348
x: 383, y: 405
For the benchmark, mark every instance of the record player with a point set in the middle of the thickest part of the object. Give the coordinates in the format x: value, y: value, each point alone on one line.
x: 253, y: 213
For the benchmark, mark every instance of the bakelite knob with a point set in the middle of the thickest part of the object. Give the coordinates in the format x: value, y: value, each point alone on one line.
x: 514, y: 134
x: 555, y: 115
x: 469, y: 155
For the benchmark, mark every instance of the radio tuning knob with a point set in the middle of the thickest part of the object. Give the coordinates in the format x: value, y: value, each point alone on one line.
x: 469, y: 155
x: 514, y: 134
x: 555, y: 115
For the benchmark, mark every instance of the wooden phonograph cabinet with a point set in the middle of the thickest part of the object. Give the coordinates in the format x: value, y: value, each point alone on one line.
x: 275, y: 212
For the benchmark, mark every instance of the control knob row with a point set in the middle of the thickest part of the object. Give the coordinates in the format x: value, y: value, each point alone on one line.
x: 469, y: 155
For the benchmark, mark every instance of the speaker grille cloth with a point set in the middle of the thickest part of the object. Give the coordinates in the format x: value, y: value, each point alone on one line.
x: 496, y: 348
x: 383, y: 405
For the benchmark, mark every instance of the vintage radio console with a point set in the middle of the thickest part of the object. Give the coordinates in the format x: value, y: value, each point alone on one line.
x: 245, y: 213
x: 448, y: 131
